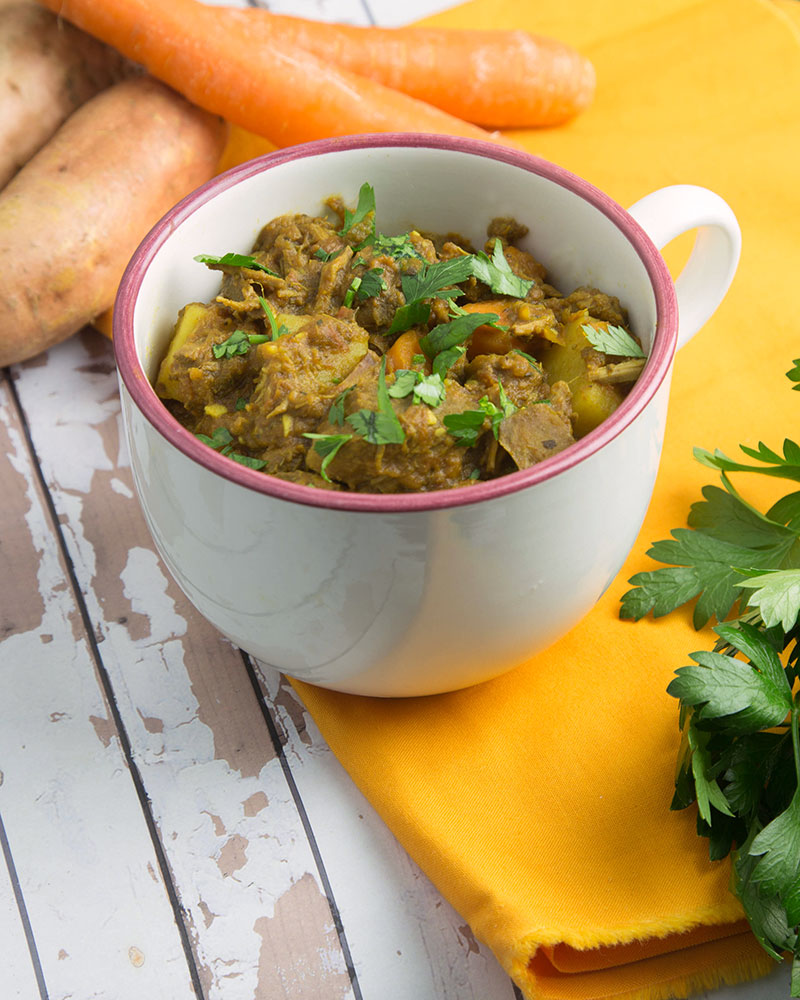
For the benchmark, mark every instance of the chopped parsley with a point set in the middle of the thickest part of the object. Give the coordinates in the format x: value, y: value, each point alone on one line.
x: 234, y: 260
x: 325, y: 256
x: 397, y: 247
x: 239, y: 342
x: 528, y: 357
x: 364, y: 287
x: 497, y: 274
x: 364, y: 207
x: 423, y: 388
x: 222, y: 441
x: 327, y: 445
x: 336, y: 412
x: 379, y: 426
x: 466, y: 427
x: 613, y: 340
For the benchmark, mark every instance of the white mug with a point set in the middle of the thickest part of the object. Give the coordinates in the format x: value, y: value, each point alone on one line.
x: 398, y: 595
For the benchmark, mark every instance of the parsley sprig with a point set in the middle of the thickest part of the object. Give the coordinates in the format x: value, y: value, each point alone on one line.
x: 740, y: 703
x: 222, y: 441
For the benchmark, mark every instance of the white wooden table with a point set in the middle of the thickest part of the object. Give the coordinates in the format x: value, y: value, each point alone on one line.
x: 172, y: 825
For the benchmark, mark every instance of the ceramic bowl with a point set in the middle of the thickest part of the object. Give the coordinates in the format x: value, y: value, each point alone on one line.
x: 397, y: 595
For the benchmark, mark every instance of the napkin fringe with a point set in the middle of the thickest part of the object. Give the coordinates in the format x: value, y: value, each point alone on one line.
x: 585, y: 939
x: 744, y: 969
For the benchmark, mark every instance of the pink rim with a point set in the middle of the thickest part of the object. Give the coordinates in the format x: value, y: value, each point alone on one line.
x: 148, y: 403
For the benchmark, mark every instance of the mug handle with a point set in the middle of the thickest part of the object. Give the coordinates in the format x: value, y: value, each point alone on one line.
x: 708, y: 273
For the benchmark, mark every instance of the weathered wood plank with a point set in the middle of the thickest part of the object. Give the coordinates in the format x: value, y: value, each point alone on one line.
x: 18, y: 975
x: 231, y: 832
x: 425, y: 948
x: 88, y: 873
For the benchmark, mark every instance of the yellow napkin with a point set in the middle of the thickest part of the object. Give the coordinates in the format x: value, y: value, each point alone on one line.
x: 538, y: 803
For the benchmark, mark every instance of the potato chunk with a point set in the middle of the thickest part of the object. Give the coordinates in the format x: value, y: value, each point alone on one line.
x: 592, y: 401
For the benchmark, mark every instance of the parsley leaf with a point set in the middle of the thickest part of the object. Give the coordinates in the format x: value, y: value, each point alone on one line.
x: 336, y: 412
x: 234, y: 260
x: 786, y: 466
x: 222, y: 441
x: 613, y: 340
x: 444, y: 360
x: 365, y: 286
x: 739, y: 696
x: 430, y: 281
x: 465, y: 427
x: 437, y: 280
x: 365, y: 206
x: 497, y: 273
x: 327, y: 445
x: 766, y: 914
x: 425, y: 388
x: 219, y: 439
x: 379, y: 426
x: 404, y: 381
x: 794, y: 374
x: 239, y: 342
x: 372, y: 283
x: 776, y: 595
x: 497, y: 414
x: 778, y: 867
x: 728, y: 540
x: 448, y: 335
x: 397, y: 247
x: 325, y: 255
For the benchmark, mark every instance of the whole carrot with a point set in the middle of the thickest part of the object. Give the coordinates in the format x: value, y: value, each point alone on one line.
x: 281, y: 92
x: 498, y: 78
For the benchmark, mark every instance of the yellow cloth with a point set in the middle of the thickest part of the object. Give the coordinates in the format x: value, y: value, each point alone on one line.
x: 538, y: 803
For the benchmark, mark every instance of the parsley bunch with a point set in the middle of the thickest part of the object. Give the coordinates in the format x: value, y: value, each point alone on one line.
x: 740, y: 703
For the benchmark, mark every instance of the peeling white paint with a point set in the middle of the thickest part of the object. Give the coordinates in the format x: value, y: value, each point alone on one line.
x: 119, y: 487
x: 81, y: 866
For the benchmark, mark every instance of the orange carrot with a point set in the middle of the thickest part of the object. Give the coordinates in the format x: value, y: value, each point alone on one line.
x: 401, y: 353
x: 282, y: 93
x: 496, y: 78
x: 489, y: 339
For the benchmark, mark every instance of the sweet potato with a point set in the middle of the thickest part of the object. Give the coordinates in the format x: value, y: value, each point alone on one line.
x: 72, y: 217
x: 48, y: 68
